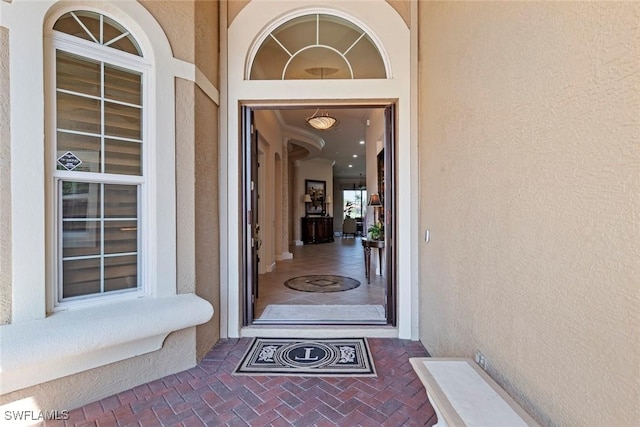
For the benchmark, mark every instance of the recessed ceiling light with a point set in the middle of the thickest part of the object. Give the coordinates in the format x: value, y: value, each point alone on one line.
x: 361, y: 142
x: 350, y: 166
x: 355, y: 155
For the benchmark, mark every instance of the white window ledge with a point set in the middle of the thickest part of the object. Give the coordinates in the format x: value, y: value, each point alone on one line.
x: 73, y: 341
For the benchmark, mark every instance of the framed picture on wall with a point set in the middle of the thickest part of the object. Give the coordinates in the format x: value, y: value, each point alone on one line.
x: 316, y: 191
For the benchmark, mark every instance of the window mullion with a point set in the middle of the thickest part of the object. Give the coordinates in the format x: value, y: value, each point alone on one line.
x: 60, y: 236
x: 102, y: 167
x: 141, y: 275
x: 118, y: 38
x: 84, y: 27
x: 102, y: 238
x: 101, y: 29
x: 102, y: 124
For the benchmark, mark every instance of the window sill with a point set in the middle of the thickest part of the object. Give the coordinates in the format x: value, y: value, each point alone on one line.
x: 73, y: 341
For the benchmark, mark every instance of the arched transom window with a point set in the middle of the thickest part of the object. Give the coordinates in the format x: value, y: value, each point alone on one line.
x: 99, y: 29
x: 317, y: 46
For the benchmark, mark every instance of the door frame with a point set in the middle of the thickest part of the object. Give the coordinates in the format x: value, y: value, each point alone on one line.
x: 238, y: 35
x: 249, y: 204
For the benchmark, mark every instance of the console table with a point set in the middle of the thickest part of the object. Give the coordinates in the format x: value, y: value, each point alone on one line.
x: 367, y: 244
x: 317, y: 229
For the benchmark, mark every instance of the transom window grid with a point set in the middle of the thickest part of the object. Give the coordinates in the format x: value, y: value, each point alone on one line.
x: 99, y: 117
x: 99, y: 29
x: 317, y: 46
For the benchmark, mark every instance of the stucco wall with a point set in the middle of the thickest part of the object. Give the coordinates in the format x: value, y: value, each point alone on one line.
x: 402, y: 7
x: 89, y: 386
x: 207, y: 37
x: 197, y: 201
x: 530, y: 188
x: 5, y: 181
x: 185, y: 185
x: 192, y: 30
x: 177, y: 19
x: 207, y: 220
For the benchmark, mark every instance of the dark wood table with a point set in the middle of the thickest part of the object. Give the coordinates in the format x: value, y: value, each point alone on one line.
x: 367, y: 244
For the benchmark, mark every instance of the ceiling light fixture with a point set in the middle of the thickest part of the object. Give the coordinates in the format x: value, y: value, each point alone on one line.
x: 321, y: 121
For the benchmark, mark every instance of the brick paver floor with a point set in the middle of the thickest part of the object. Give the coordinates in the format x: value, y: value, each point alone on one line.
x: 209, y: 395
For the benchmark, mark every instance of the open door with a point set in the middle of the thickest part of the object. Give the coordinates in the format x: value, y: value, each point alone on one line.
x: 273, y: 291
x: 388, y: 193
x: 252, y: 240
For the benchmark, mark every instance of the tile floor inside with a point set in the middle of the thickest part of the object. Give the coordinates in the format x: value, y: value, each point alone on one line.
x: 343, y: 257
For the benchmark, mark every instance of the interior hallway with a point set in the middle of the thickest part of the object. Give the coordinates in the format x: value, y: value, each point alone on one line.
x: 208, y: 395
x: 343, y: 257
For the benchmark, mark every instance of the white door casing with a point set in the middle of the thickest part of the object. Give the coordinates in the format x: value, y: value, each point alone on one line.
x: 384, y: 25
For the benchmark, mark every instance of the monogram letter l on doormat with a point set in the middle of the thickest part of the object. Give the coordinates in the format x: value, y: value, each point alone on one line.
x: 305, y: 357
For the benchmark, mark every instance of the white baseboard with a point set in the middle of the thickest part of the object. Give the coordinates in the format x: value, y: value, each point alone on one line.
x: 287, y: 255
x: 298, y: 242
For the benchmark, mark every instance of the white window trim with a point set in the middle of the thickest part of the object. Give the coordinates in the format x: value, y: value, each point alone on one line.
x: 88, y: 49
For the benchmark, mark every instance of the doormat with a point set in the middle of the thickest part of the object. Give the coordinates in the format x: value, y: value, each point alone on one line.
x: 308, y: 357
x: 323, y: 313
x: 322, y: 283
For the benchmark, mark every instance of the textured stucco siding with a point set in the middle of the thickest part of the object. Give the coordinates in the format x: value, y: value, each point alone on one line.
x: 530, y: 187
x: 5, y: 180
x: 402, y: 7
x: 185, y: 179
x: 207, y: 35
x: 93, y: 385
x: 177, y: 20
x: 197, y: 204
x: 207, y: 220
x: 193, y: 32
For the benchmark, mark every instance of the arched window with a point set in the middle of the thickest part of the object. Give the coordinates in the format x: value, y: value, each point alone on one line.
x: 98, y: 169
x: 317, y: 46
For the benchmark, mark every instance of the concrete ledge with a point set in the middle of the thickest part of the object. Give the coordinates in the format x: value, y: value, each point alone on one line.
x: 73, y: 341
x: 462, y: 394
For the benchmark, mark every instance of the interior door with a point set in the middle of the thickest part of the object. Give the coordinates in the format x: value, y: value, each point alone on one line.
x: 389, y: 211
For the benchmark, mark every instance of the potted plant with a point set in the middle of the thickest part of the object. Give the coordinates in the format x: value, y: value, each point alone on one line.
x: 348, y: 209
x: 377, y: 231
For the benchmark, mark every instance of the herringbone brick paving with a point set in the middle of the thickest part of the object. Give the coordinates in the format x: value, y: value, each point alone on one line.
x: 209, y: 395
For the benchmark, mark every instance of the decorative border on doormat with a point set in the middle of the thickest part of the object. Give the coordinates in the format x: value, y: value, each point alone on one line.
x: 308, y: 357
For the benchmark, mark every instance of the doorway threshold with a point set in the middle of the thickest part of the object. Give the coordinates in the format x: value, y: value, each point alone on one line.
x: 318, y: 331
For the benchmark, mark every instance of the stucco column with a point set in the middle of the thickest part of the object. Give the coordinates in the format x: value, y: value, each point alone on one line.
x: 5, y: 181
x: 285, y: 200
